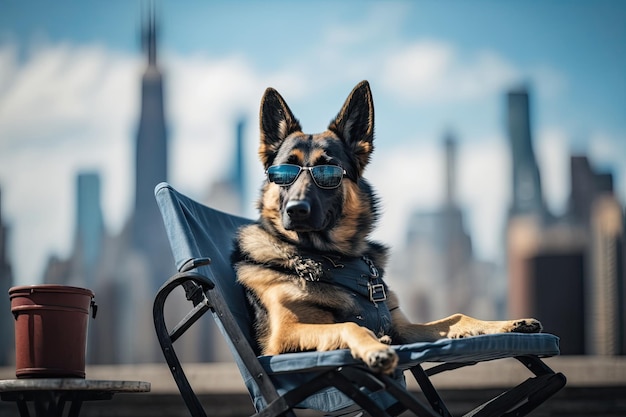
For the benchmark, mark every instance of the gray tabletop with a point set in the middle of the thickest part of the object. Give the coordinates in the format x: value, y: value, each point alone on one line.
x: 72, y: 384
x: 49, y: 395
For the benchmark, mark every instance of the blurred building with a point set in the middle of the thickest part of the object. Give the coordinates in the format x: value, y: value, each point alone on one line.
x: 440, y: 275
x: 566, y: 271
x: 7, y: 329
x: 146, y: 225
x: 527, y: 192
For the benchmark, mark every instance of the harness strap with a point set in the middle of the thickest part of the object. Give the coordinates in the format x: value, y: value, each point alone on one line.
x: 357, y: 274
x: 360, y: 277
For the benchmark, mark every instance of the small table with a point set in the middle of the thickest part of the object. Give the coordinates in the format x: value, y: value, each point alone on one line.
x: 49, y: 395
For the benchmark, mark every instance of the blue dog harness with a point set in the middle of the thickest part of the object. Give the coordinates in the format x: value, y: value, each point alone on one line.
x: 360, y: 278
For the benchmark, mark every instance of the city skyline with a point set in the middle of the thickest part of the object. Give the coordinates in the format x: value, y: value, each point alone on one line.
x: 69, y: 102
x: 440, y: 273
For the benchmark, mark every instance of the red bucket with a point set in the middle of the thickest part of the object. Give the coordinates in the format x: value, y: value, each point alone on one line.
x: 51, y: 330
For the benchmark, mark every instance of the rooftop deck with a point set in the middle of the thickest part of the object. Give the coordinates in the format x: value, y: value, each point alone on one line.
x: 596, y: 387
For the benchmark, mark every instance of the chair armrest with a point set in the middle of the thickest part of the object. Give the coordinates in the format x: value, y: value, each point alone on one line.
x: 191, y: 281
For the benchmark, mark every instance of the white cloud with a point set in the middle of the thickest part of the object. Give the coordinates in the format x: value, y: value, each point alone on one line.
x: 435, y: 72
x: 58, y: 87
x: 430, y: 71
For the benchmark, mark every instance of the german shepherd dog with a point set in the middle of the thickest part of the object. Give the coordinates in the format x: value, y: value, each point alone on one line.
x: 312, y: 275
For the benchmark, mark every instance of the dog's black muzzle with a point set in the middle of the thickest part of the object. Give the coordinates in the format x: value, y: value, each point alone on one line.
x: 298, y: 210
x: 304, y: 216
x: 297, y: 216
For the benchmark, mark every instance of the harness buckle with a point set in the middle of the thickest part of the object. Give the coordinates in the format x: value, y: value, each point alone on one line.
x: 377, y: 293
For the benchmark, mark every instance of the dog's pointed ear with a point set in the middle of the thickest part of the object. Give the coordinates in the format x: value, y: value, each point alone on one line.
x: 277, y: 122
x: 355, y: 124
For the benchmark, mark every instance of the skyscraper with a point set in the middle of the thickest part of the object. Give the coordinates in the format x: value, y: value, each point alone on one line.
x: 148, y: 233
x: 527, y: 193
x: 89, y: 234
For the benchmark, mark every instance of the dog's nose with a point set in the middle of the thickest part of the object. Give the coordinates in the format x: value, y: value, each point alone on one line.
x: 298, y: 209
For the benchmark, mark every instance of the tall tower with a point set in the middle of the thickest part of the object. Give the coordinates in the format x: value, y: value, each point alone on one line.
x: 457, y: 244
x: 151, y: 149
x: 527, y: 194
x: 89, y: 232
x: 239, y: 176
x: 450, y: 169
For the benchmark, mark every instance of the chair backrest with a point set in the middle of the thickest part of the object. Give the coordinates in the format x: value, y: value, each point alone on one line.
x: 197, y: 231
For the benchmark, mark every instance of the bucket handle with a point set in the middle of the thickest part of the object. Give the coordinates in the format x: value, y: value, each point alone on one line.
x: 94, y: 309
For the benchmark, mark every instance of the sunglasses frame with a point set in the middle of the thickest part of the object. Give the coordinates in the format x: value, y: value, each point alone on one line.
x: 310, y: 169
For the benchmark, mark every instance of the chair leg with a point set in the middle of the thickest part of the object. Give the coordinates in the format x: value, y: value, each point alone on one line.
x: 553, y: 384
x: 22, y: 407
x: 365, y: 378
x: 522, y: 399
x: 517, y: 401
x: 429, y: 391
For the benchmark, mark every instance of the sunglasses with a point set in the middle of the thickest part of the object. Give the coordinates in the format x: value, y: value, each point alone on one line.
x: 324, y: 176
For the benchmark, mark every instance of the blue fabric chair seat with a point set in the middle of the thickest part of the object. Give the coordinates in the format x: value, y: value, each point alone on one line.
x: 470, y: 349
x: 291, y: 370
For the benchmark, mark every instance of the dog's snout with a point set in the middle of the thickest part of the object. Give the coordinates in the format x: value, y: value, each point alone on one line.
x: 298, y: 209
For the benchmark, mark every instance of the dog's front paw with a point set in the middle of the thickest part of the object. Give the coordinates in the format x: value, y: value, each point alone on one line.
x: 526, y: 326
x: 383, y: 360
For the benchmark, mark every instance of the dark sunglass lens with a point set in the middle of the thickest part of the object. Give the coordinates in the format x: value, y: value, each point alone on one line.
x: 327, y: 176
x: 283, y: 174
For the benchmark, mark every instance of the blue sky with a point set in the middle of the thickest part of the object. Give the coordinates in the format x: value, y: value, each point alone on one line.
x: 69, y: 94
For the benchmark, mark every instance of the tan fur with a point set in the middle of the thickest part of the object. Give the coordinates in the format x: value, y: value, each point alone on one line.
x: 353, y: 211
x: 272, y: 259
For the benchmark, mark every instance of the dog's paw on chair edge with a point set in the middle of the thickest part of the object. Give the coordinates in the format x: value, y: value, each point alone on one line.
x: 384, y: 360
x: 526, y: 326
